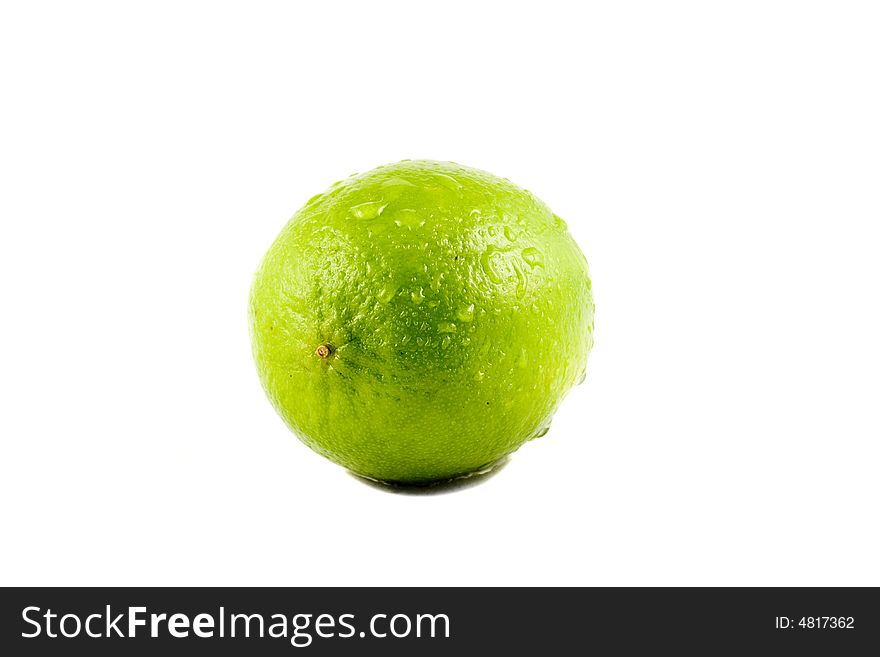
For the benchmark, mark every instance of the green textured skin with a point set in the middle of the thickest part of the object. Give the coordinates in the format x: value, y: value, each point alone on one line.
x: 456, y: 307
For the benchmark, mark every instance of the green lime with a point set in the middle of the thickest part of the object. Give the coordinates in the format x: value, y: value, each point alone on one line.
x: 421, y: 321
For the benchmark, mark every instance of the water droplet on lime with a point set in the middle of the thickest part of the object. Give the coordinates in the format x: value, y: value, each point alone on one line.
x: 368, y: 210
x: 397, y: 182
x: 486, y: 264
x: 465, y: 313
x: 447, y: 181
x: 408, y: 218
x: 520, y: 280
x: 540, y: 433
x: 533, y: 257
x: 387, y: 293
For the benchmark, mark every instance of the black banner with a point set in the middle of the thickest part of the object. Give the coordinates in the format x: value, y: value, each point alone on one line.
x: 437, y: 621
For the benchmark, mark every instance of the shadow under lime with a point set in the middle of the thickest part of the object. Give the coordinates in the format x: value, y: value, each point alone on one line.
x: 436, y: 487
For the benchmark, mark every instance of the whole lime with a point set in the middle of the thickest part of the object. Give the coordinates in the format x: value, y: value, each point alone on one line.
x: 421, y: 321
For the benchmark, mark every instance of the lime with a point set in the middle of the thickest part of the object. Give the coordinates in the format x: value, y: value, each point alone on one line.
x: 421, y: 321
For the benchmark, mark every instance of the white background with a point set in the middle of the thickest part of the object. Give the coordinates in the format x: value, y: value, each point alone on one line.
x: 717, y: 162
